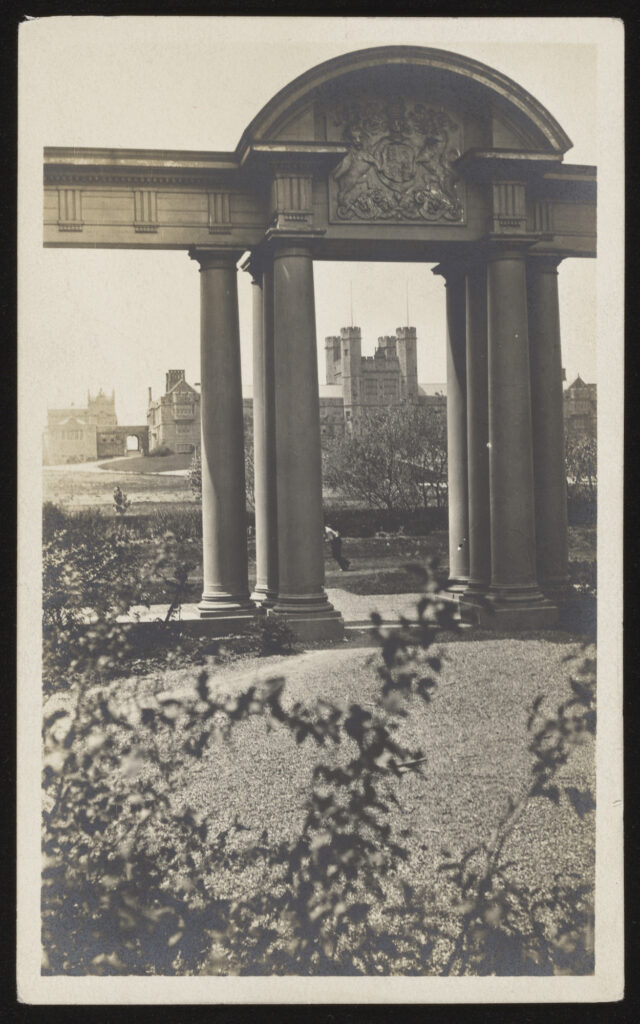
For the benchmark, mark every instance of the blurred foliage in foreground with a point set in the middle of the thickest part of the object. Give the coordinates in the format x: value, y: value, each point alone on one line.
x: 130, y: 871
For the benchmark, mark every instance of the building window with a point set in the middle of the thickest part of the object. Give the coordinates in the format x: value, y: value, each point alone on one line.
x: 183, y: 412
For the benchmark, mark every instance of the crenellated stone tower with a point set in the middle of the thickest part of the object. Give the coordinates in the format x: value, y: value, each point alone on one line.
x: 407, y: 350
x: 389, y: 377
x: 101, y: 410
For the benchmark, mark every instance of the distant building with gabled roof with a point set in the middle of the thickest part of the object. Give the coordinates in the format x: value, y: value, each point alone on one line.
x: 581, y: 409
x: 174, y: 418
x: 84, y: 435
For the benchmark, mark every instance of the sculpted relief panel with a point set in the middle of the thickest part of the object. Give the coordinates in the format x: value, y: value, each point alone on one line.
x: 399, y: 164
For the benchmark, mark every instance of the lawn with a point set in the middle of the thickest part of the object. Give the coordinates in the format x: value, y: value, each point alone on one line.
x: 149, y: 464
x: 94, y: 488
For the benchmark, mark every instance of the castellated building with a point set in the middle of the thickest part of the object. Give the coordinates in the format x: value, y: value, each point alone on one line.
x: 354, y: 384
x: 387, y: 378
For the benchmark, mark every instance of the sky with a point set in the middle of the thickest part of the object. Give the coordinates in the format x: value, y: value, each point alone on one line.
x: 118, y: 319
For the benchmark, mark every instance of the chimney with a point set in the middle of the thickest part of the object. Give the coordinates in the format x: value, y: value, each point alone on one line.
x: 173, y: 376
x: 150, y: 396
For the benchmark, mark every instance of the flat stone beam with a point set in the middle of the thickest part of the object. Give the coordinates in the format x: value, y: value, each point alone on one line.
x: 225, y: 594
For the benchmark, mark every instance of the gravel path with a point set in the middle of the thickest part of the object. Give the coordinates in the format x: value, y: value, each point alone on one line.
x: 473, y: 734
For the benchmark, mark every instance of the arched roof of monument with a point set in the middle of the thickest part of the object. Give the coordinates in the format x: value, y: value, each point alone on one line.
x: 542, y: 126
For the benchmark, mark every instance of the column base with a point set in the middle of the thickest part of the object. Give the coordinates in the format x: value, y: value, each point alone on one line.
x: 456, y: 587
x: 476, y: 588
x: 226, y: 607
x: 517, y: 608
x: 310, y: 618
x: 264, y: 597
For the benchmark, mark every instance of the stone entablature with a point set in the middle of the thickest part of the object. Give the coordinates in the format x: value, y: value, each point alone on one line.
x: 411, y: 146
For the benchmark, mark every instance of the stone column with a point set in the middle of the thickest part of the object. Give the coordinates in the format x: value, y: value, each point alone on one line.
x: 301, y: 595
x: 515, y: 601
x: 455, y: 281
x: 547, y: 416
x: 264, y: 437
x: 224, y: 529
x: 478, y: 432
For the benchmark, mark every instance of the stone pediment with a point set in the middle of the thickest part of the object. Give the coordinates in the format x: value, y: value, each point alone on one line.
x: 298, y: 113
x: 403, y: 148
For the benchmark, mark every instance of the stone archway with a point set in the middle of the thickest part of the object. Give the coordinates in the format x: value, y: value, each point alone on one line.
x: 394, y: 153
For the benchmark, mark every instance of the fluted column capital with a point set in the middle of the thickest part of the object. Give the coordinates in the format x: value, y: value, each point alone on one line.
x: 215, y: 258
x: 254, y: 265
x: 451, y: 270
x: 544, y: 262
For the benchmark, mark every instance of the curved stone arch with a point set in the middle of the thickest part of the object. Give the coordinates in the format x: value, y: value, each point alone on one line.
x: 139, y: 432
x: 525, y: 108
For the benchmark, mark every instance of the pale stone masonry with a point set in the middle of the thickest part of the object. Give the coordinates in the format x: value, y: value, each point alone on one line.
x: 581, y: 409
x: 87, y: 434
x: 354, y: 384
x: 388, y: 378
x: 174, y: 418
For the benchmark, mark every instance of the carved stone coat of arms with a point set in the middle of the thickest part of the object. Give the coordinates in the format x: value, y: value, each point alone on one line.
x: 399, y: 164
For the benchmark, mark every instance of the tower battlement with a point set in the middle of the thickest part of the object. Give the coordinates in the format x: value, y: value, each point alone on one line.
x: 386, y: 378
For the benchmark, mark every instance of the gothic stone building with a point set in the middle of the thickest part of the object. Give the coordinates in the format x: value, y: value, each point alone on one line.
x: 581, y: 409
x: 364, y: 383
x: 84, y: 435
x: 354, y: 384
x: 174, y: 418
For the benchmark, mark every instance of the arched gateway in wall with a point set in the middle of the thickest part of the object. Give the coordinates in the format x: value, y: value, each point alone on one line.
x: 394, y: 153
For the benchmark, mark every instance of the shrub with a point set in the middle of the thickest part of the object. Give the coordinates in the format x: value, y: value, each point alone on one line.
x: 80, y: 526
x: 184, y: 523
x: 121, y: 502
x: 361, y: 522
x: 393, y: 460
x: 195, y: 475
x: 273, y: 635
x: 130, y: 877
x: 161, y: 451
x: 91, y: 577
x: 53, y: 518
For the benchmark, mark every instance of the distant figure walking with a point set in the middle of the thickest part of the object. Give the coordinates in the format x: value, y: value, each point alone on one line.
x: 335, y: 541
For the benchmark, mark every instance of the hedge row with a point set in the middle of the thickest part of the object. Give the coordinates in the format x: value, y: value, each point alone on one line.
x: 362, y: 522
x: 350, y: 522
